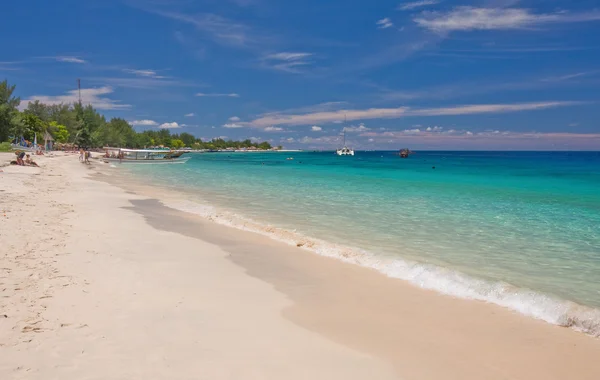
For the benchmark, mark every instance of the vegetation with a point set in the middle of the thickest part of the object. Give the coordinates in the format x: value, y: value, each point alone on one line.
x: 5, y: 147
x: 8, y: 110
x: 84, y: 126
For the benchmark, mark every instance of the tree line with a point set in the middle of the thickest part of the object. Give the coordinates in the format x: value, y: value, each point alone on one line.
x: 83, y: 126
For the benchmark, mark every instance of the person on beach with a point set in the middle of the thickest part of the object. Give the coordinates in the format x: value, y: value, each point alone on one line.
x: 81, y: 155
x: 20, y: 156
x: 30, y: 162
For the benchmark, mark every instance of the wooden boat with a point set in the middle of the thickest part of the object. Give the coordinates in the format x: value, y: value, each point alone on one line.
x: 143, y: 156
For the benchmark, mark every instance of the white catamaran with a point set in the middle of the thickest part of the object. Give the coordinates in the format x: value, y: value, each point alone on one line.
x: 144, y: 156
x: 345, y: 151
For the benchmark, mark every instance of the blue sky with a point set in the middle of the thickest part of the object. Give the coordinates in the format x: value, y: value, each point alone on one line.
x: 428, y: 74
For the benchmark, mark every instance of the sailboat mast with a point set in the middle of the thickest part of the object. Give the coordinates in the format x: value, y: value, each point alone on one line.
x: 344, y: 130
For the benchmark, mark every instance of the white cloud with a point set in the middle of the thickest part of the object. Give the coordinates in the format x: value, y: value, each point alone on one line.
x: 172, y: 125
x: 465, y: 18
x: 8, y: 66
x: 487, y: 108
x: 144, y: 73
x: 574, y: 125
x: 416, y: 4
x: 384, y: 23
x: 359, y: 128
x: 320, y: 141
x: 328, y: 116
x: 321, y: 107
x: 141, y: 82
x: 316, y: 128
x: 272, y: 129
x: 220, y: 29
x: 70, y: 59
x: 288, y: 56
x: 91, y: 96
x: 492, y: 140
x: 232, y: 95
x: 434, y: 129
x: 395, y: 113
x: 234, y: 119
x: 191, y: 114
x: 287, y: 61
x: 233, y: 125
x: 569, y: 76
x: 143, y: 122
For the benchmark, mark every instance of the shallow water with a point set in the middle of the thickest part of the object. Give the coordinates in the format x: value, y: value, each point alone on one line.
x: 520, y: 229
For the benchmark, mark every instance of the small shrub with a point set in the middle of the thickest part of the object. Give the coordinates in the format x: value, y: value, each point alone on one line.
x: 5, y: 147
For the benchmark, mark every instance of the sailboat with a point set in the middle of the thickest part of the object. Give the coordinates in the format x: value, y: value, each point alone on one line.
x: 345, y: 151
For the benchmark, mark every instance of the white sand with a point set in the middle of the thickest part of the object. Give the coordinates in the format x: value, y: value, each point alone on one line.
x: 90, y: 291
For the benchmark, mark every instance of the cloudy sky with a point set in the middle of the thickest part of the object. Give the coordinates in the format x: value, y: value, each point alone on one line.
x: 426, y: 74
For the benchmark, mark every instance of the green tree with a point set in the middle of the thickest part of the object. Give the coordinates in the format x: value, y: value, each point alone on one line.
x: 32, y: 125
x: 264, y: 145
x: 117, y: 132
x: 38, y: 109
x: 8, y: 110
x: 177, y: 144
x: 143, y: 140
x: 83, y: 137
x: 84, y: 126
x: 187, y: 139
x: 60, y: 132
x: 163, y: 137
x: 64, y: 114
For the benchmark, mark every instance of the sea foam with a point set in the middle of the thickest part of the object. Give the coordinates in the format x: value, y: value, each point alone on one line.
x: 427, y: 276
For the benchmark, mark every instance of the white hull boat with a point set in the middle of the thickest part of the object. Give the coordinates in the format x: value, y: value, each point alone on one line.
x: 143, y: 156
x: 345, y: 151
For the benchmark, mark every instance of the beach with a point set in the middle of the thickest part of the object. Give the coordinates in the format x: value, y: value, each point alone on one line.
x: 100, y: 280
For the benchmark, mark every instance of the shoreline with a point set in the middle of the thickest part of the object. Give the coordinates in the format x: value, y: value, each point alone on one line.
x: 387, y: 318
x: 450, y: 282
x: 98, y: 293
x: 145, y: 280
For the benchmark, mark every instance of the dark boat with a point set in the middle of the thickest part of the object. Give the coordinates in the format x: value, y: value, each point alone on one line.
x: 404, y: 153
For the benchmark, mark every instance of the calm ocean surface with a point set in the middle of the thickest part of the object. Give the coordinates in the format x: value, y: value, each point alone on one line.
x: 519, y: 229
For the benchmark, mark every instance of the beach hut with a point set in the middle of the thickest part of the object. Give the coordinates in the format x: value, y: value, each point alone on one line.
x: 48, y: 141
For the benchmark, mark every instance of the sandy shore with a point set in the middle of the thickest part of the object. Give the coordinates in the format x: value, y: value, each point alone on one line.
x: 104, y: 282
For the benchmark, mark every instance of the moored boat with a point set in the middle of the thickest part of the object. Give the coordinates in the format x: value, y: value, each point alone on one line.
x: 344, y: 151
x: 144, y: 156
x: 404, y: 153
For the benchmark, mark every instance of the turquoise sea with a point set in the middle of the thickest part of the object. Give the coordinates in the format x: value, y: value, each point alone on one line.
x: 519, y: 229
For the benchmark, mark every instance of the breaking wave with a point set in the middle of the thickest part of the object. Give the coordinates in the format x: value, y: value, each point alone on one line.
x: 427, y: 276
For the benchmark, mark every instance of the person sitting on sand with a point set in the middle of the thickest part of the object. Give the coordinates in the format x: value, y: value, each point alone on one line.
x: 30, y: 162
